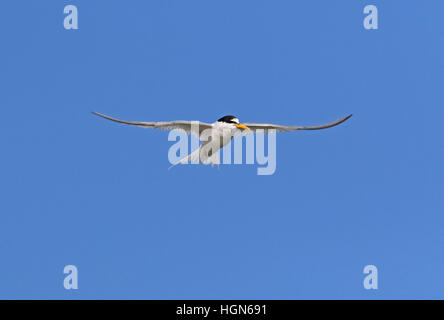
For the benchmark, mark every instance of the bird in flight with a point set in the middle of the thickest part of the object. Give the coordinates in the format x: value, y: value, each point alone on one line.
x: 216, y: 135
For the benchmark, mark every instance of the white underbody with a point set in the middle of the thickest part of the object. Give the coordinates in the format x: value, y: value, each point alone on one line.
x: 212, y: 141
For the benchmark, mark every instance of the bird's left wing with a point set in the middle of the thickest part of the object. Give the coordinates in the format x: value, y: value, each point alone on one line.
x: 194, y: 127
x: 254, y: 127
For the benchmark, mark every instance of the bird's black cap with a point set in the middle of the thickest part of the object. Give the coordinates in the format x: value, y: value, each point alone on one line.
x: 228, y: 119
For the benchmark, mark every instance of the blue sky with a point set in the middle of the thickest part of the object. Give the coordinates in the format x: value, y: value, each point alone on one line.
x: 80, y: 190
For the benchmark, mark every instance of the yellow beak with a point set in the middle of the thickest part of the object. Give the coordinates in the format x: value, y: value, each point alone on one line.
x: 241, y: 126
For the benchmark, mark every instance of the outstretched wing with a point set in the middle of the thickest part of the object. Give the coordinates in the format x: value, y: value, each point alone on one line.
x: 279, y: 128
x: 194, y: 127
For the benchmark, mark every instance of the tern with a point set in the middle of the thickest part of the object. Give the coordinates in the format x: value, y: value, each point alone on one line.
x: 215, y: 136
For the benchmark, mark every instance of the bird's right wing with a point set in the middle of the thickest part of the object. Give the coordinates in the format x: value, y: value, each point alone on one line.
x: 194, y: 127
x: 280, y: 128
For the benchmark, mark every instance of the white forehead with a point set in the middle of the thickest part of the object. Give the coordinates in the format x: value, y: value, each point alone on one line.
x: 235, y: 120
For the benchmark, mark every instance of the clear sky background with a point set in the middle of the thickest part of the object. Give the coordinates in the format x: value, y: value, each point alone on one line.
x: 76, y: 189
